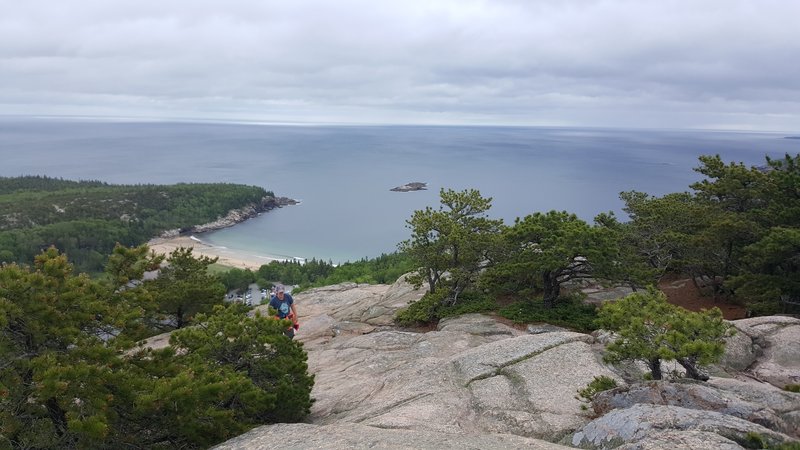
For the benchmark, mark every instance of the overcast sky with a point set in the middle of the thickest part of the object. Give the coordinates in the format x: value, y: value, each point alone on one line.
x: 722, y: 64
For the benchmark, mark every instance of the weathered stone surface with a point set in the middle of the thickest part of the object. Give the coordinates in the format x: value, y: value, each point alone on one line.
x: 322, y: 310
x: 635, y: 424
x: 779, y: 337
x: 485, y: 361
x: 692, y: 395
x: 474, y: 373
x: 740, y: 353
x: 785, y: 404
x: 683, y: 440
x: 398, y: 296
x: 355, y: 436
x: 475, y: 382
x: 535, y: 396
x: 598, y: 294
x: 476, y: 324
x: 543, y: 328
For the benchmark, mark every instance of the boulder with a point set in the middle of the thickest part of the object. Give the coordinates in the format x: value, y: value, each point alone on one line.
x: 398, y: 296
x: 599, y: 294
x: 692, y: 395
x: 785, y: 404
x: 356, y: 436
x: 636, y: 424
x: 778, y: 338
x: 740, y: 353
x: 689, y: 440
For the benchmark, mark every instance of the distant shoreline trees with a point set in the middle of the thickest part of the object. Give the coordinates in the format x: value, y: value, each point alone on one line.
x: 85, y: 219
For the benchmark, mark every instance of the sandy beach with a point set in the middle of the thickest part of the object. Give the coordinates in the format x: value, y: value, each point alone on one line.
x: 226, y: 256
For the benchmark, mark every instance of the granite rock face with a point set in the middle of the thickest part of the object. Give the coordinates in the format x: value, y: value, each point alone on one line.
x: 775, y: 350
x: 703, y: 396
x: 475, y: 382
x: 355, y: 436
x: 641, y: 422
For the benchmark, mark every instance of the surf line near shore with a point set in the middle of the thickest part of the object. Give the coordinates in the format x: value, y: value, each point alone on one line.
x: 172, y: 240
x: 226, y: 256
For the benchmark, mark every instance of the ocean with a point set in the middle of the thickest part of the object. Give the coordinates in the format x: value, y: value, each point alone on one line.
x: 342, y: 174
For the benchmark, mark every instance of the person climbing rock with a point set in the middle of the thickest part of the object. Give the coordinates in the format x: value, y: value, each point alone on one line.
x: 283, y: 302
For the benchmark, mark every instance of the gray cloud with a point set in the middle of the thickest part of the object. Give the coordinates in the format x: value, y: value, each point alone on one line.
x: 671, y: 63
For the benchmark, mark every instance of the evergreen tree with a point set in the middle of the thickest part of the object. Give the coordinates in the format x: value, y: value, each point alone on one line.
x: 544, y: 251
x: 455, y: 239
x: 184, y: 287
x: 649, y: 329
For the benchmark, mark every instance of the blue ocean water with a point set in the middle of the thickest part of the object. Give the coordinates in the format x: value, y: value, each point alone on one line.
x: 343, y: 174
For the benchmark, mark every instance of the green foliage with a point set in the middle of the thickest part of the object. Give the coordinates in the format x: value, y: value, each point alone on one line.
x: 384, y: 269
x: 651, y: 330
x: 569, y: 312
x: 469, y: 302
x: 184, y: 287
x: 544, y: 251
x: 86, y: 219
x: 68, y: 379
x: 454, y: 239
x: 597, y: 385
x: 792, y: 388
x: 663, y: 231
x: 254, y: 346
x: 739, y: 230
x: 772, y: 271
x: 129, y: 264
x: 432, y: 307
x: 236, y: 279
x: 754, y: 440
x: 423, y: 311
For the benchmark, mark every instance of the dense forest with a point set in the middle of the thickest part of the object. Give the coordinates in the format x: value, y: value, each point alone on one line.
x: 85, y: 219
x: 384, y: 269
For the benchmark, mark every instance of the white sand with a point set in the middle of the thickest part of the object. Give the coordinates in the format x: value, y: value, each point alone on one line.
x: 226, y: 256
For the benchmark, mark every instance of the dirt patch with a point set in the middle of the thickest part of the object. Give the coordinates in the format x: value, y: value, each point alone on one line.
x: 682, y: 292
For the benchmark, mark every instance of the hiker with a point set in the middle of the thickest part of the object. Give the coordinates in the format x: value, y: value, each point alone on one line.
x: 284, y: 304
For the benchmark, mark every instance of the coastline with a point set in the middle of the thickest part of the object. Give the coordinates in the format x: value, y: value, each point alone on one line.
x: 173, y: 239
x: 227, y: 257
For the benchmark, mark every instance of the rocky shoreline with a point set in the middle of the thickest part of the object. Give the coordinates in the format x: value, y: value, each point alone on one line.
x: 233, y: 217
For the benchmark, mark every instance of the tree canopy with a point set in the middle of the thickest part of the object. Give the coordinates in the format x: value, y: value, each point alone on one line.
x: 651, y: 330
x: 69, y: 377
x: 85, y: 219
x: 543, y: 251
x: 452, y: 243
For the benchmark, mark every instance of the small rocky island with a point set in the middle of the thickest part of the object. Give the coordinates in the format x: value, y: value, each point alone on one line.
x: 415, y: 186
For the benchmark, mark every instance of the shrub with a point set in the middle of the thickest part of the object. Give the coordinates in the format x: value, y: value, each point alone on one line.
x: 597, y: 385
x: 421, y: 312
x: 569, y: 312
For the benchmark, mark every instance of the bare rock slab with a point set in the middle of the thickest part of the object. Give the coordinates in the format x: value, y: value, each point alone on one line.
x: 355, y: 436
x: 636, y: 424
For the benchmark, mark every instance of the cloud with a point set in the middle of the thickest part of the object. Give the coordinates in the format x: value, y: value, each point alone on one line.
x: 594, y: 63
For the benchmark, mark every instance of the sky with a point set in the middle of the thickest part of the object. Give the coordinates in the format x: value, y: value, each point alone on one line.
x: 710, y: 64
